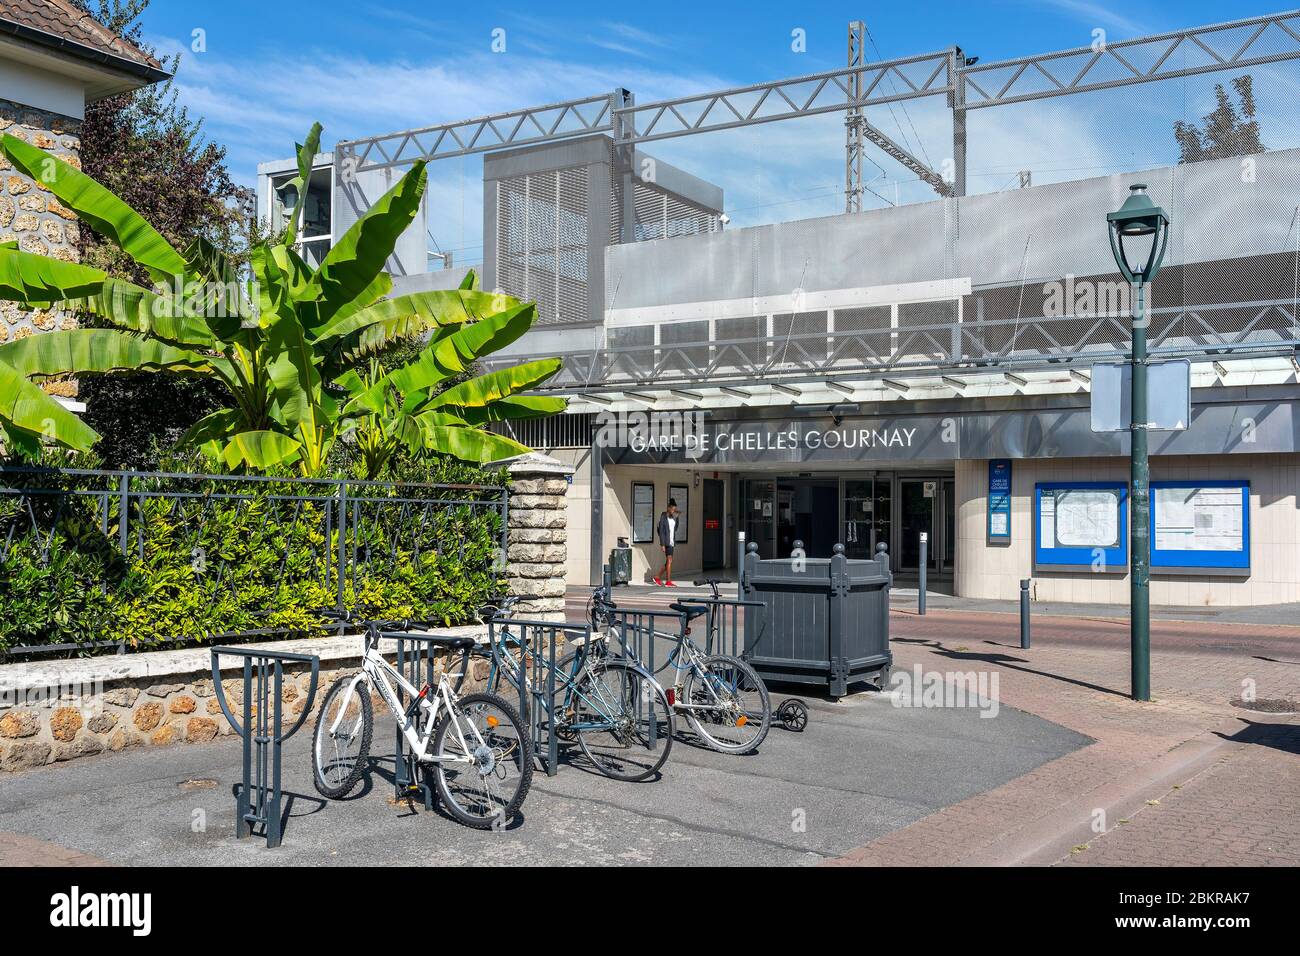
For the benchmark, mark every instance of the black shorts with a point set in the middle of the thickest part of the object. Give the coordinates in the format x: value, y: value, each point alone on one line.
x: 668, y: 550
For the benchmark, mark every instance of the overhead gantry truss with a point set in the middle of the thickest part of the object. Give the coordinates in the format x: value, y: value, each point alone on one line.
x: 1224, y: 46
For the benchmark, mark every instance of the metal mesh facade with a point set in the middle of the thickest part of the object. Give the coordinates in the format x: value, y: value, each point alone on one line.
x: 541, y: 252
x: 1033, y: 281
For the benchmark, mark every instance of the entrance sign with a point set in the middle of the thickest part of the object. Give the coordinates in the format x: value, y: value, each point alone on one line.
x: 1200, y: 525
x: 1169, y: 396
x: 999, y: 501
x: 643, y: 512
x: 1081, y: 525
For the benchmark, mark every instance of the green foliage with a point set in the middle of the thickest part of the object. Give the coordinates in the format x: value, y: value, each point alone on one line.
x: 1224, y: 132
x: 285, y: 345
x: 214, y: 566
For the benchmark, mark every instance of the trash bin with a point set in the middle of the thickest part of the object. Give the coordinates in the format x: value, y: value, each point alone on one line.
x: 620, y: 562
x: 827, y: 619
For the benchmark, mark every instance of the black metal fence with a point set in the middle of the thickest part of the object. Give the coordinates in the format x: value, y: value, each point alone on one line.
x: 258, y: 801
x: 186, y: 557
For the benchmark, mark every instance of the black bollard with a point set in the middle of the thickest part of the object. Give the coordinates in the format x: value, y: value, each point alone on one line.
x: 1024, y: 613
x: 925, y: 559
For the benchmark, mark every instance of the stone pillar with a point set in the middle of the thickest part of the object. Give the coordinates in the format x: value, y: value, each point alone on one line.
x: 537, y: 551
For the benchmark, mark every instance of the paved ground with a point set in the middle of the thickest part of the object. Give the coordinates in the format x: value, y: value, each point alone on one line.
x: 1070, y: 771
x: 862, y: 769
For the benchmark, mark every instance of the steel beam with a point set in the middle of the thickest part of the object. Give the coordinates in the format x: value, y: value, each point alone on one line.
x: 834, y: 91
x: 1086, y: 69
x: 536, y: 124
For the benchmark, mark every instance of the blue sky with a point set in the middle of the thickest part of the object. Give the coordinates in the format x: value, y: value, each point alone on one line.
x: 363, y: 67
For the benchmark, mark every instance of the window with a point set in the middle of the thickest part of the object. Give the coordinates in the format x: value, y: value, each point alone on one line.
x: 643, y: 512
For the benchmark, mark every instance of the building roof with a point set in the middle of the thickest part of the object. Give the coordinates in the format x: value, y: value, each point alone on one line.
x: 63, y: 27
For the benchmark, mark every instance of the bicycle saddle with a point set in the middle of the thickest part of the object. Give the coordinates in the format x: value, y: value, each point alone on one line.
x: 691, y: 611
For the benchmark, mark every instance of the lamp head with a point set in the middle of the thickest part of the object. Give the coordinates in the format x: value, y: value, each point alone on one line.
x: 1138, y: 218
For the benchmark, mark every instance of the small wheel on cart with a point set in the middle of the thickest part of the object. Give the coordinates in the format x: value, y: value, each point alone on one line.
x: 793, y: 714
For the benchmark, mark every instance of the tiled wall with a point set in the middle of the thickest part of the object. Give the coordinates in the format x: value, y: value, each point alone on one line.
x: 994, y: 571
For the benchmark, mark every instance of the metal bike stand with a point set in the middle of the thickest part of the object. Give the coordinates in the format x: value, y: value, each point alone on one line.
x: 415, y: 662
x: 539, y: 640
x: 258, y: 800
x: 725, y: 622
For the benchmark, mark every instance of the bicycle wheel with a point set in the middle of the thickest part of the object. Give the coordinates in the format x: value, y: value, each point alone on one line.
x: 482, y: 778
x: 622, y: 721
x: 729, y: 706
x: 340, y: 748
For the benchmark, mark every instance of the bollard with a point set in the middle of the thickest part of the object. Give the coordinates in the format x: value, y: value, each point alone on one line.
x: 1024, y: 613
x: 925, y: 559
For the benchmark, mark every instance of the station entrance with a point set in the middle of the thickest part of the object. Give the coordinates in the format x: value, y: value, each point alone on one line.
x: 856, y: 510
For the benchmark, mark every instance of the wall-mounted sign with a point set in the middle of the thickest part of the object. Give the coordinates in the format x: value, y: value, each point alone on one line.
x: 1081, y: 525
x: 1200, y: 525
x: 999, y: 505
x: 929, y: 488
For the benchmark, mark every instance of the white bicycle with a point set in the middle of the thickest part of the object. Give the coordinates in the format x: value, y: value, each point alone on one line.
x: 475, y: 745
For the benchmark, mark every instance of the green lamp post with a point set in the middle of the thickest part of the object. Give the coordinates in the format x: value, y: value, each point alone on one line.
x: 1145, y: 227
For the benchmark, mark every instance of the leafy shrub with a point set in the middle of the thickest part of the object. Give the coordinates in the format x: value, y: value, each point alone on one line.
x: 209, y: 558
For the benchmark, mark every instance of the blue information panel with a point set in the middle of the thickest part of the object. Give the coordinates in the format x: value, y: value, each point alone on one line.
x: 1081, y: 525
x: 1200, y: 525
x: 999, y: 500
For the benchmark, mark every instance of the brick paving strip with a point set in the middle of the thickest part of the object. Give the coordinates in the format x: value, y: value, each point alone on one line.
x: 19, y: 850
x: 1186, y: 779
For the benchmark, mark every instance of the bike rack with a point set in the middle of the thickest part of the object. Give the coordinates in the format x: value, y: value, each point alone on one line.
x: 540, y: 639
x: 262, y: 728
x: 416, y: 663
x: 730, y: 625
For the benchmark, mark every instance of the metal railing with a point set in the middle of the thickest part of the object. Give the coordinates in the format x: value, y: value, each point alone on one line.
x: 331, y: 535
x: 259, y: 800
x: 1254, y: 328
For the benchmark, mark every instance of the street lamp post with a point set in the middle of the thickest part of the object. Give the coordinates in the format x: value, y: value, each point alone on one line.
x: 1139, y: 220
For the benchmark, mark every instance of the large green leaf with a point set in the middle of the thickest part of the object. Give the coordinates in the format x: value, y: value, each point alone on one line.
x: 489, y: 388
x: 216, y: 426
x: 306, y: 159
x: 98, y: 208
x: 514, y: 408
x: 413, y: 314
x: 260, y: 450
x: 97, y: 350
x: 359, y: 255
x: 40, y: 281
x: 24, y: 406
x: 452, y: 355
x: 468, y: 444
x: 131, y: 307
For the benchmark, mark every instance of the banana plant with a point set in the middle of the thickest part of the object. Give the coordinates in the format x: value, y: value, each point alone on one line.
x: 285, y: 339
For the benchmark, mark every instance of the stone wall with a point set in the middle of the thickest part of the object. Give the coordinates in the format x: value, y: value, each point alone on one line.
x: 537, y: 536
x: 33, y: 218
x: 59, y: 711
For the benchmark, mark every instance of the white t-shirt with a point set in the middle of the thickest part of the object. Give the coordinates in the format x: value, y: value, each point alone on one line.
x: 672, y: 530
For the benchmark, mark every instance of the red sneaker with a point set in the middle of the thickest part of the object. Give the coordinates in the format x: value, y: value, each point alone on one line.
x: 657, y: 581
x: 669, y: 584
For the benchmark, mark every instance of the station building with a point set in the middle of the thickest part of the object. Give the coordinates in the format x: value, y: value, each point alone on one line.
x: 868, y: 378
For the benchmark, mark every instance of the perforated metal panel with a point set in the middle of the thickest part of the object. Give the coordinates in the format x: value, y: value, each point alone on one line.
x: 541, y: 233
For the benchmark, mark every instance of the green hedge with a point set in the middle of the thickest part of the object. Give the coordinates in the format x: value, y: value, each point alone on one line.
x: 212, y: 566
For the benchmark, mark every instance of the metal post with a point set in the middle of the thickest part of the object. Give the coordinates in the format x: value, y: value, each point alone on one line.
x: 1024, y: 613
x: 343, y: 540
x: 925, y: 559
x: 1139, y: 543
x: 957, y: 102
x: 124, y: 506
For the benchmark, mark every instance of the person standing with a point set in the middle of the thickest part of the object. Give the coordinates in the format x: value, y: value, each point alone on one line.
x: 667, y: 539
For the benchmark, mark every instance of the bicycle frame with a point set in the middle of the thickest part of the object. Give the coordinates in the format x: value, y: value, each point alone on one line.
x: 377, y: 671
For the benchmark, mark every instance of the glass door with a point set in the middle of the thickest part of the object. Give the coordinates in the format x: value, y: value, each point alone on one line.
x: 917, y: 499
x: 758, y: 514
